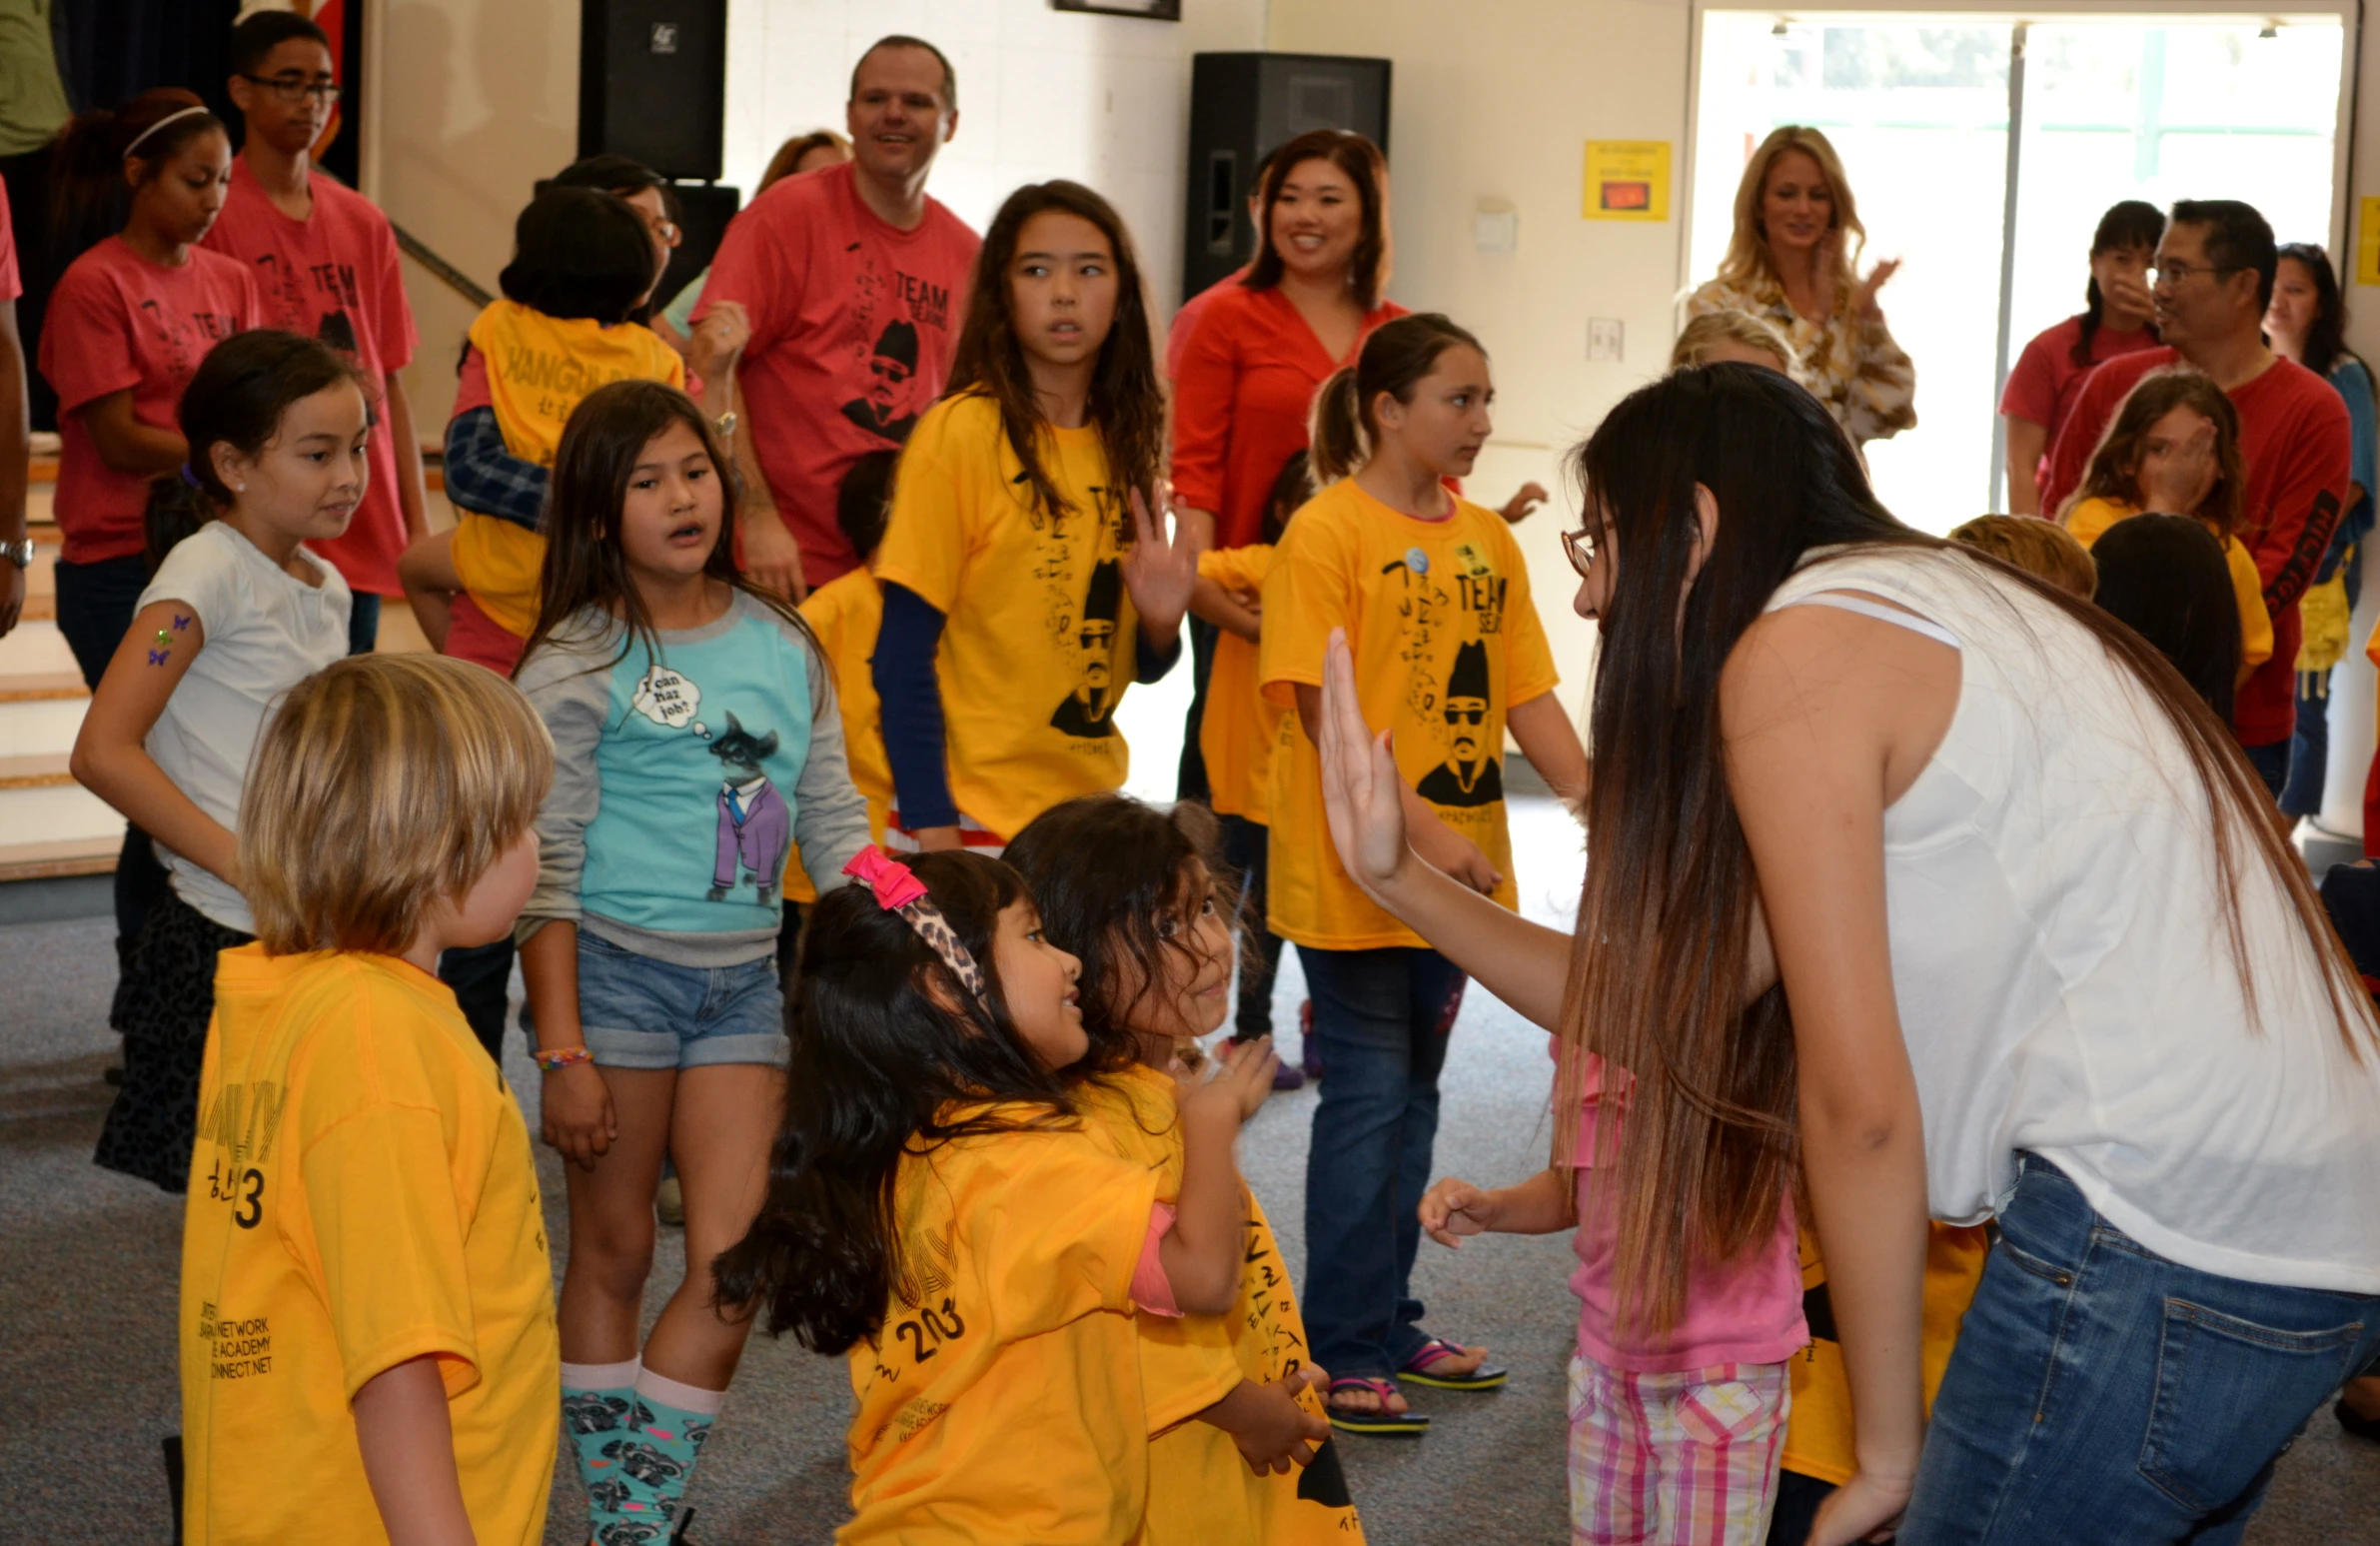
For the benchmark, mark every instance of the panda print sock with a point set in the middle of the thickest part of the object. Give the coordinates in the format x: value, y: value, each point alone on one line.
x: 598, y: 1414
x: 672, y: 1421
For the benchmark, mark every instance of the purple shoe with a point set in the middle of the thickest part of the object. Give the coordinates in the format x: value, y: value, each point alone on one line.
x: 1289, y: 1076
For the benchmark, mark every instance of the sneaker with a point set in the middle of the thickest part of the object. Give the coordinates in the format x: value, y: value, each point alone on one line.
x: 669, y: 1203
x: 1289, y: 1076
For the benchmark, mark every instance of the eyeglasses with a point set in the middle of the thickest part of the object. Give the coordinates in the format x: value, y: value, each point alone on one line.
x: 1578, y: 546
x: 293, y: 89
x: 2177, y: 273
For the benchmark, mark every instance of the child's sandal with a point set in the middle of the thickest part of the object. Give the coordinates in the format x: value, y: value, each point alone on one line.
x: 1405, y: 1424
x: 1437, y: 1351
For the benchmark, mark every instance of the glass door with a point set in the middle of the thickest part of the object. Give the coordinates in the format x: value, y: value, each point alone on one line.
x: 1920, y: 107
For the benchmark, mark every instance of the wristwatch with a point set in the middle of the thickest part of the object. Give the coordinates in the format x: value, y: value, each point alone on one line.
x: 19, y: 552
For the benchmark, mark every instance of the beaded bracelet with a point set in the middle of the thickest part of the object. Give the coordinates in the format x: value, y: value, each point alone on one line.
x: 561, y: 1057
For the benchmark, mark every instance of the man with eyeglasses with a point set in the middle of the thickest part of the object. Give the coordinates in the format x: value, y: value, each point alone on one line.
x: 2213, y: 279
x: 854, y: 282
x: 325, y: 261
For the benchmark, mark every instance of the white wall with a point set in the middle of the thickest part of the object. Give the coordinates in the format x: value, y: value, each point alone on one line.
x: 480, y: 99
x: 1495, y: 100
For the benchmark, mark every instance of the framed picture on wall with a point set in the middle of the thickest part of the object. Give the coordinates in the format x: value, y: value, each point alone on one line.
x: 1154, y: 10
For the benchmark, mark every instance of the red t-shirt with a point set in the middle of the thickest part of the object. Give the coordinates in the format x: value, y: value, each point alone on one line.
x: 1185, y: 320
x: 853, y: 324
x: 115, y: 321
x: 10, y: 285
x: 2293, y: 434
x: 1245, y: 384
x: 2044, y: 385
x: 333, y: 277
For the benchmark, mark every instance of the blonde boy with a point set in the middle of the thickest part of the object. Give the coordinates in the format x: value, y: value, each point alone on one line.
x: 366, y: 1319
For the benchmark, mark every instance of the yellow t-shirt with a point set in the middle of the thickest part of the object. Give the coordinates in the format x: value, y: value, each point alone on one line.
x: 1446, y: 640
x: 1200, y: 1490
x: 1001, y: 1400
x: 1241, y: 727
x: 1039, y: 646
x: 2089, y: 519
x: 846, y: 613
x: 362, y: 1194
x: 1818, y: 1431
x: 539, y: 370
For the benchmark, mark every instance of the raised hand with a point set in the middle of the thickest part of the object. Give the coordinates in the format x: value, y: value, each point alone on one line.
x: 1863, y: 304
x: 1362, y: 794
x: 1160, y: 572
x: 1524, y: 504
x: 720, y: 339
x: 2175, y: 480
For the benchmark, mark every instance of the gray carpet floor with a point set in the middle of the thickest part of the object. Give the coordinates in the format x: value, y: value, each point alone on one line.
x: 88, y: 1280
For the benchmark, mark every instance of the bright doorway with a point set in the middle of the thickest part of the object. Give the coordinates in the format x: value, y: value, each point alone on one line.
x: 1921, y: 106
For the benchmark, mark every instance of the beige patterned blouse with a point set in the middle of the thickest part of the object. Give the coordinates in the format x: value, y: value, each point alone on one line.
x: 1851, y: 364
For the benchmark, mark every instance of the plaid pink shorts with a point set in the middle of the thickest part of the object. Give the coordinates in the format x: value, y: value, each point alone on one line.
x: 1674, y: 1459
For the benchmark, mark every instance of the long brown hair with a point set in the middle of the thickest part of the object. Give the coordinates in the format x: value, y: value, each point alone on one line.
x: 584, y: 564
x: 1711, y: 1140
x: 2114, y: 471
x: 1394, y: 360
x: 1360, y: 158
x: 1127, y: 394
x: 1749, y: 260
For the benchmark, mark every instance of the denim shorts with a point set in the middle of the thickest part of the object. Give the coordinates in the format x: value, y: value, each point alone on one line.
x: 637, y: 1012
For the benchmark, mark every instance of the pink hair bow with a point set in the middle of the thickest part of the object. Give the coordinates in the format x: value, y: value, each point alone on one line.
x: 893, y: 883
x: 899, y: 891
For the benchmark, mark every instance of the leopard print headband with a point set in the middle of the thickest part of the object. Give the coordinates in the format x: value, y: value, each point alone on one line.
x: 899, y: 891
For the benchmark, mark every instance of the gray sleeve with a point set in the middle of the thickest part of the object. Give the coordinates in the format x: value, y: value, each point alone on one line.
x: 830, y: 814
x: 571, y: 690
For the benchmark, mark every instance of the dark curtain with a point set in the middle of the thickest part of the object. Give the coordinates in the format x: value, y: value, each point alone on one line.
x: 108, y: 50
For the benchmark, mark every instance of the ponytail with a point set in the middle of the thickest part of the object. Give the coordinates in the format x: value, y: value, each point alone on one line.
x: 1394, y: 360
x: 1338, y: 445
x: 87, y: 196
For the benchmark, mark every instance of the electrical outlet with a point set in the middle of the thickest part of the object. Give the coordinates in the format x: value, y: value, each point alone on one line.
x: 1603, y: 339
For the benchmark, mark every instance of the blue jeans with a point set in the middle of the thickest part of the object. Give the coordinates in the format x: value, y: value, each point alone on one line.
x: 363, y: 622
x: 1247, y: 848
x: 1382, y: 1018
x: 2271, y: 762
x: 2309, y: 756
x: 96, y: 603
x: 2100, y: 1392
x: 637, y: 1012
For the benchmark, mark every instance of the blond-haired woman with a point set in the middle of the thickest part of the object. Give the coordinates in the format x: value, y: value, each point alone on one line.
x: 1798, y: 234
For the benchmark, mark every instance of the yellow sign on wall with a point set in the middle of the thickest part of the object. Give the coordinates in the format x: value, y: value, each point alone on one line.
x: 2367, y: 244
x: 1627, y: 180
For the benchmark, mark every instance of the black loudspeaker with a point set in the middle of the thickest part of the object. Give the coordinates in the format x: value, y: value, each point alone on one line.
x: 1241, y: 107
x: 703, y: 210
x: 653, y: 83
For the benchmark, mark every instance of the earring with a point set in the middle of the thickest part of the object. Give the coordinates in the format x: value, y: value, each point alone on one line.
x: 239, y: 488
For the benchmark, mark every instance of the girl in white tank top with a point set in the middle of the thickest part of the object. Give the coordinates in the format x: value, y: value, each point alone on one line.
x: 2045, y: 959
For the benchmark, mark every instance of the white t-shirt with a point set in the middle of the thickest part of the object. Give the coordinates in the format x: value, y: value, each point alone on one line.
x: 2063, y: 970
x: 266, y: 631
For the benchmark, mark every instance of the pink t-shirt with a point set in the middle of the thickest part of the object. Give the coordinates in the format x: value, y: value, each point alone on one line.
x: 853, y: 324
x: 335, y: 276
x: 11, y: 285
x: 1748, y: 1311
x: 2045, y: 381
x: 118, y: 321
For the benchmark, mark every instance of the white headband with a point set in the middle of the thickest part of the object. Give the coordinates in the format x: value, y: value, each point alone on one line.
x: 161, y: 123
